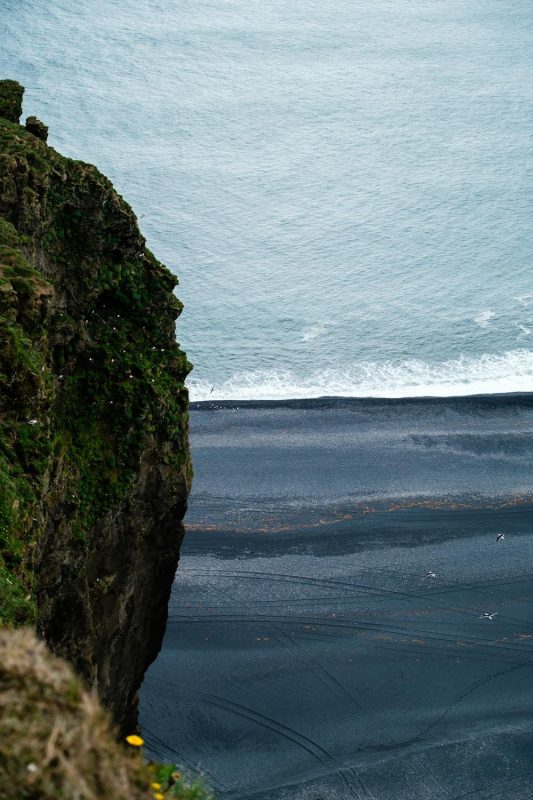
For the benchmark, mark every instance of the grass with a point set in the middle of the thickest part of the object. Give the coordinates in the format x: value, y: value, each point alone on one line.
x: 56, y: 741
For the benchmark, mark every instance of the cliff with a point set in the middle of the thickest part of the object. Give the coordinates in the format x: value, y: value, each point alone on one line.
x: 94, y: 460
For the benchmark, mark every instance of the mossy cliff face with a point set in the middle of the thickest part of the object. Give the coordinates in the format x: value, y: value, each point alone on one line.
x: 94, y: 460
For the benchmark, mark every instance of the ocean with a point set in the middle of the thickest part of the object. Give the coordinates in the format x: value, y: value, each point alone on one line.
x: 344, y: 188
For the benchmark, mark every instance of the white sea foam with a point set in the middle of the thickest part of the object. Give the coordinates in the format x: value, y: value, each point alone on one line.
x: 483, y: 319
x: 313, y: 332
x: 486, y: 374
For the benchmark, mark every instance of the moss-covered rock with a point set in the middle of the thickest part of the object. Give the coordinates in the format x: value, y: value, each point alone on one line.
x: 11, y: 94
x: 94, y: 460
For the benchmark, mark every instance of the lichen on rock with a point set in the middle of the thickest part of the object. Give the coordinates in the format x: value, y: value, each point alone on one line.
x: 94, y: 459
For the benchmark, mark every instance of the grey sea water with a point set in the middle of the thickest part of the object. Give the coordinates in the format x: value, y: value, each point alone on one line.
x: 344, y: 187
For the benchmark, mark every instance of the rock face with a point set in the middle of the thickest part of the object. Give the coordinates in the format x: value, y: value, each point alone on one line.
x: 94, y: 459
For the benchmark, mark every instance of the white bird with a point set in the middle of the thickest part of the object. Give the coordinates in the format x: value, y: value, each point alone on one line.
x: 32, y: 422
x: 430, y: 575
x: 486, y: 615
x: 500, y: 536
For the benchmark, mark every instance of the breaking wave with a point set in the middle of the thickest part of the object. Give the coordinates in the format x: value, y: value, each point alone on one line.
x: 486, y: 374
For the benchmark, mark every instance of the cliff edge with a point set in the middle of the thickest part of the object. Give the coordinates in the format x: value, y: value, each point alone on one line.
x: 94, y: 459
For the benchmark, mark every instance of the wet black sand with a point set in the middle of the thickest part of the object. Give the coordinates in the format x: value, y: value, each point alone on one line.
x: 306, y: 655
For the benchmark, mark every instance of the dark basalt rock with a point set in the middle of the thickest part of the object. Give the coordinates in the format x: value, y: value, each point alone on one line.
x: 38, y: 128
x: 94, y: 458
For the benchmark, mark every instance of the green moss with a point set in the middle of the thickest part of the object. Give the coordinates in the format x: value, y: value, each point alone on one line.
x: 123, y: 406
x: 18, y: 348
x: 24, y: 444
x: 8, y: 235
x: 16, y: 603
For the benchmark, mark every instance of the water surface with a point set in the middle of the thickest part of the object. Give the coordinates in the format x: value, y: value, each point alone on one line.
x: 343, y: 187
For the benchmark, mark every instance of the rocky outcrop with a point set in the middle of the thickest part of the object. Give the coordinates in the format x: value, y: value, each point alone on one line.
x: 94, y: 460
x: 38, y: 128
x: 11, y: 94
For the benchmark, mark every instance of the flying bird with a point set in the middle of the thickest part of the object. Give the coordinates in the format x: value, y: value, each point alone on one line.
x: 430, y: 575
x: 500, y: 536
x: 486, y: 615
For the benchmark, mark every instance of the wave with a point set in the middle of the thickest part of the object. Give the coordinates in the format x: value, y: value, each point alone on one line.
x: 483, y: 319
x: 524, y: 330
x: 313, y: 332
x: 510, y: 372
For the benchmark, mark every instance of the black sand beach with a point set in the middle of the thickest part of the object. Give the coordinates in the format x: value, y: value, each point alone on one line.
x: 307, y: 655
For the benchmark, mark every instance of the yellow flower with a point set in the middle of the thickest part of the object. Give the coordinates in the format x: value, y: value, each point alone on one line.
x: 159, y: 796
x: 135, y: 740
x: 155, y: 786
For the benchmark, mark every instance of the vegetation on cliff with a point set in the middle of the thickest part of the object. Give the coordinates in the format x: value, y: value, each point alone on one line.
x: 94, y: 460
x: 55, y: 739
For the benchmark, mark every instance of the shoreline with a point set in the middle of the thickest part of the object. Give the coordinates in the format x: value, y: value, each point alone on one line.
x: 503, y: 398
